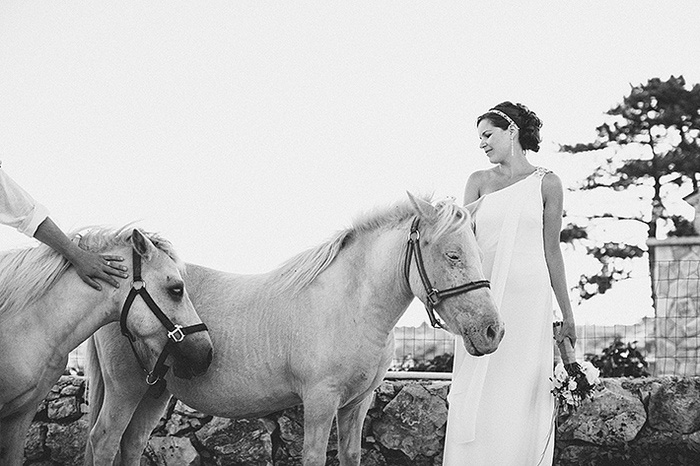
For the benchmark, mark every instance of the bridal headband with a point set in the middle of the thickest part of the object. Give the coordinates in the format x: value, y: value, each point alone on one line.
x: 505, y: 117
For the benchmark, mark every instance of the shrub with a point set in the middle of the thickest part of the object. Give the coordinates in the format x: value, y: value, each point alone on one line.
x: 621, y: 360
x: 441, y: 363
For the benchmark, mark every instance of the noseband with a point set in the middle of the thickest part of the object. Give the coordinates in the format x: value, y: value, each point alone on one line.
x: 176, y: 333
x: 433, y: 295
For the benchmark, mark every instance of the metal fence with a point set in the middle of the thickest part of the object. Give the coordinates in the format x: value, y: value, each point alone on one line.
x: 669, y: 342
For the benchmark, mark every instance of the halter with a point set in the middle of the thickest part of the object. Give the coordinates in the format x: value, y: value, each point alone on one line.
x: 176, y: 333
x: 433, y: 295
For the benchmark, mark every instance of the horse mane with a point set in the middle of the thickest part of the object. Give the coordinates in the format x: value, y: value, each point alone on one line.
x: 302, y: 269
x: 29, y: 273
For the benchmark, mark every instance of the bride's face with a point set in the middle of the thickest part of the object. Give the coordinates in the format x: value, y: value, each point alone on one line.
x: 494, y: 141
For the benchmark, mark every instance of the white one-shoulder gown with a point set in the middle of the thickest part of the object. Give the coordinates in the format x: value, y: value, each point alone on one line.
x: 500, y: 405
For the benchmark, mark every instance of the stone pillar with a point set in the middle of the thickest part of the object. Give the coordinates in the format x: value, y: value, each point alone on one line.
x: 676, y: 273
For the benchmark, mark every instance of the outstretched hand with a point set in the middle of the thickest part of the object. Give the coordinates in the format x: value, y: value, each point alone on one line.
x: 91, y: 267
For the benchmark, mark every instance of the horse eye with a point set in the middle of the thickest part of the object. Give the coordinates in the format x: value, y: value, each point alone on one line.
x: 453, y: 256
x: 176, y: 291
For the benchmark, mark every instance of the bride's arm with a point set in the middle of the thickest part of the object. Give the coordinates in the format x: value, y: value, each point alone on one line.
x: 553, y: 196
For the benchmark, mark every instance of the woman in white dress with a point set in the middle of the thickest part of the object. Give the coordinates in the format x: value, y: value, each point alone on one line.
x: 500, y: 405
x: 19, y: 210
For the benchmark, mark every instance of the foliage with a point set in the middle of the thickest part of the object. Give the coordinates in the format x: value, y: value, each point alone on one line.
x: 572, y: 232
x: 682, y: 227
x: 615, y: 260
x: 621, y: 360
x: 655, y: 136
x: 440, y: 363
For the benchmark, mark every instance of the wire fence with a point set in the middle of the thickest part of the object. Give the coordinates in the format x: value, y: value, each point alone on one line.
x: 669, y: 342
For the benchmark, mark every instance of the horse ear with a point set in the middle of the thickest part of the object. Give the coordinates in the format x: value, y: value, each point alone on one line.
x: 423, y: 208
x: 141, y: 244
x: 473, y: 206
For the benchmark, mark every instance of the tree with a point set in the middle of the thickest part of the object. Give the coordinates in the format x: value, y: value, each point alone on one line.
x: 654, y: 135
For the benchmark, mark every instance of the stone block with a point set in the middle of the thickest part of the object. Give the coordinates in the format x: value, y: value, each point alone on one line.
x: 413, y: 422
x: 66, y: 442
x: 172, y: 451
x: 611, y: 417
x: 243, y: 442
x: 64, y: 409
x: 674, y: 405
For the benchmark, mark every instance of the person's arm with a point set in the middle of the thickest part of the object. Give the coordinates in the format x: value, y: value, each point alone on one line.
x: 89, y: 265
x: 19, y: 210
x: 553, y: 210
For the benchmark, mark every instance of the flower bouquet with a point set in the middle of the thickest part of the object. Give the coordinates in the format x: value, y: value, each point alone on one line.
x: 572, y: 381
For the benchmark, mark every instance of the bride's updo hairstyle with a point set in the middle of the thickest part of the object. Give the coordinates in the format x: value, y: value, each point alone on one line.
x: 529, y: 124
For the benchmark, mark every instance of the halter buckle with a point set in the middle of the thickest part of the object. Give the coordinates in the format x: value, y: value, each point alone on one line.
x: 433, y: 296
x: 177, y: 335
x: 149, y: 380
x: 138, y: 284
x: 414, y: 236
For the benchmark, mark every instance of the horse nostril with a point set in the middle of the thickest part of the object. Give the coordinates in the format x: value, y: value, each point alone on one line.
x: 491, y: 333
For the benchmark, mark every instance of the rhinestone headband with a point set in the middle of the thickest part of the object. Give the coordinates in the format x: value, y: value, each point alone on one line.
x: 505, y: 117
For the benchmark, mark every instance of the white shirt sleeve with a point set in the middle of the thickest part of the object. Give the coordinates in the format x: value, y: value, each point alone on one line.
x: 18, y: 209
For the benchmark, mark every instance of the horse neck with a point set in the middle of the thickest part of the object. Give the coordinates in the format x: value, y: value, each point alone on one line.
x: 72, y: 311
x: 384, y: 293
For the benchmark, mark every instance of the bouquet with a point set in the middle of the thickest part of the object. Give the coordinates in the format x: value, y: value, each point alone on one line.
x: 572, y: 382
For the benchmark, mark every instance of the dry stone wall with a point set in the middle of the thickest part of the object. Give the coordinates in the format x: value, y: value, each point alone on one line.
x: 641, y: 422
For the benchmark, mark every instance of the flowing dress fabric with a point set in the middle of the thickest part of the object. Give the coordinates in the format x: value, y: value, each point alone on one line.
x: 500, y: 405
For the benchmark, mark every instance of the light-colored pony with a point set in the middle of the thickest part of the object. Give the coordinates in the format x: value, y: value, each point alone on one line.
x: 46, y: 311
x: 317, y: 331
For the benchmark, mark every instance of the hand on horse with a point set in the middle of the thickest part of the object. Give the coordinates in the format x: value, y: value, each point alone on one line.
x: 92, y: 267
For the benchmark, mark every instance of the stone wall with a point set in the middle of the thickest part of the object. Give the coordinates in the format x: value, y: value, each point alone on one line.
x: 641, y: 422
x: 676, y: 273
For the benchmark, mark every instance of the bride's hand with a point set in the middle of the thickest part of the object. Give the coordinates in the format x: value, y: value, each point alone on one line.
x: 568, y: 330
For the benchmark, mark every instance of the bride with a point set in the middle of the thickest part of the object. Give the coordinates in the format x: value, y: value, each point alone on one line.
x: 500, y: 406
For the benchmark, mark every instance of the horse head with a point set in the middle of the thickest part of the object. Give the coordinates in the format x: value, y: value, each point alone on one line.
x: 158, y: 316
x: 443, y: 269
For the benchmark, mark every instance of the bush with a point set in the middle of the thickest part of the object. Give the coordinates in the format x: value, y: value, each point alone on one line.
x: 621, y: 360
x: 441, y: 363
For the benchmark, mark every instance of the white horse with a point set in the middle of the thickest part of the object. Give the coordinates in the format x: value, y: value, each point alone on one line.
x: 316, y: 331
x: 46, y: 311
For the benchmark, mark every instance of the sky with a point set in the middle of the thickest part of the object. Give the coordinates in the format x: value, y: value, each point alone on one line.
x: 248, y: 131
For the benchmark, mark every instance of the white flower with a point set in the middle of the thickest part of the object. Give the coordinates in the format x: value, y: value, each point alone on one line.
x: 591, y: 372
x: 572, y: 385
x: 560, y: 374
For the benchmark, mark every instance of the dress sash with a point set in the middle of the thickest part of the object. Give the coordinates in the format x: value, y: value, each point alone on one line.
x: 464, y: 402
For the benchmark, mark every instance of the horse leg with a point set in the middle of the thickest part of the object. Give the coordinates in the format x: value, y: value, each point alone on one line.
x: 319, y: 411
x: 13, y: 433
x: 137, y: 433
x: 111, y: 422
x: 350, y: 421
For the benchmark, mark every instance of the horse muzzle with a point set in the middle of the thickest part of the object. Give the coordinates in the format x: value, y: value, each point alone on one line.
x: 192, y: 356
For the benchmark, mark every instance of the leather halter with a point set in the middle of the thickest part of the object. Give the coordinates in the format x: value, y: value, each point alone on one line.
x: 433, y: 295
x: 176, y: 333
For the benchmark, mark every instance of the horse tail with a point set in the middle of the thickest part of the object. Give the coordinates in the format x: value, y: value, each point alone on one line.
x: 96, y: 390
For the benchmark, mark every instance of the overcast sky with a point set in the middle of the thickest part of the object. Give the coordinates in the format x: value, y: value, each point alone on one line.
x: 246, y: 132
